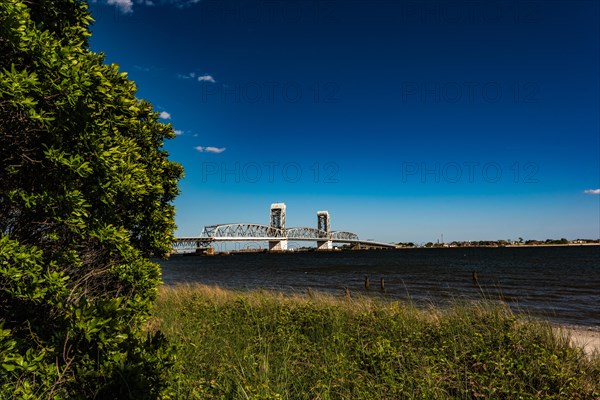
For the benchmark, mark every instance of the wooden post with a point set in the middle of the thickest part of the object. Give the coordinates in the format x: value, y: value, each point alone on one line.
x: 347, y: 293
x: 382, y: 284
x: 367, y: 283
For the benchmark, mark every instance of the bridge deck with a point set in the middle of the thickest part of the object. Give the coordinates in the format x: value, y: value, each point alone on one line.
x: 180, y: 242
x: 248, y: 232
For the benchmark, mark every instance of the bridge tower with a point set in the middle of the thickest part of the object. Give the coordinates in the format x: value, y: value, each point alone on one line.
x: 324, y: 226
x: 278, y: 222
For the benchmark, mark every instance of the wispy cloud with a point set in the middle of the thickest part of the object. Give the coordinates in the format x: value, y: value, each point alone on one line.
x: 164, y: 115
x: 200, y: 78
x: 185, y: 3
x: 179, y: 132
x: 125, y: 6
x: 209, y: 149
x: 592, y: 191
x: 206, y: 78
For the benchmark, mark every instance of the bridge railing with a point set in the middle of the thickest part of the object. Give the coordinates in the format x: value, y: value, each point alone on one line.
x: 242, y: 230
x: 185, y: 244
x: 265, y: 231
x: 305, y: 233
x: 343, y: 235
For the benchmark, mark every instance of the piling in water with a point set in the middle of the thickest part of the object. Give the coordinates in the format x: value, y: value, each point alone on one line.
x: 367, y: 283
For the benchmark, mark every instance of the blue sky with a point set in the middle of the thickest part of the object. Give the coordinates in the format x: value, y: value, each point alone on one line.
x: 405, y: 120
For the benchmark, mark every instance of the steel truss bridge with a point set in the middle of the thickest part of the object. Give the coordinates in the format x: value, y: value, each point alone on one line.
x: 276, y: 234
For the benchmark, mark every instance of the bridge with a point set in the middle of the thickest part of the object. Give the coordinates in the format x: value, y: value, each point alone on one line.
x: 276, y: 234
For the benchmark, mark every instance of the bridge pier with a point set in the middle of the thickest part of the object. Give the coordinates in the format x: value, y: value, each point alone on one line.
x: 324, y: 245
x: 278, y: 245
x: 208, y: 251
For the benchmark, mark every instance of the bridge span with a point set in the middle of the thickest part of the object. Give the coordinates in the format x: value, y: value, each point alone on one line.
x: 276, y: 234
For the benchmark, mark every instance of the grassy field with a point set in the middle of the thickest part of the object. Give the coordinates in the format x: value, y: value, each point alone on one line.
x: 264, y: 345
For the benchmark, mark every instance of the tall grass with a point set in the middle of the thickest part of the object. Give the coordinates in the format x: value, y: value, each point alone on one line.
x: 265, y: 345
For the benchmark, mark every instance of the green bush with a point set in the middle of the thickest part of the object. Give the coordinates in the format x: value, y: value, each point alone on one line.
x: 85, y: 200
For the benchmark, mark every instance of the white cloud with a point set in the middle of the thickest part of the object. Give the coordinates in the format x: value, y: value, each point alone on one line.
x: 126, y: 6
x: 178, y: 132
x: 164, y: 115
x: 185, y: 3
x: 592, y: 191
x: 206, y: 78
x: 209, y: 149
x: 200, y: 78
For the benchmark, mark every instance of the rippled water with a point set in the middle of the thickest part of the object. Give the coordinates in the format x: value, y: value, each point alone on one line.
x: 560, y: 283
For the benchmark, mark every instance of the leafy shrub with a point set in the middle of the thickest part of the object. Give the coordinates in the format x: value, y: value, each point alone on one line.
x: 85, y: 199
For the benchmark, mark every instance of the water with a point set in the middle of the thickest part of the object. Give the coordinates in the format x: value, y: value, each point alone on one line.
x: 558, y: 283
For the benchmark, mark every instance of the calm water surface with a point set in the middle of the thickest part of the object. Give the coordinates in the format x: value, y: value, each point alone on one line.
x: 559, y: 283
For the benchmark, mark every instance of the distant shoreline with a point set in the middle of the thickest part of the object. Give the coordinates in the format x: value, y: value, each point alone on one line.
x: 508, y: 245
x: 553, y: 245
x: 314, y: 250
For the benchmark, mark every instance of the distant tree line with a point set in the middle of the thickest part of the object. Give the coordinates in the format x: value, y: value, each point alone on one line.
x: 501, y: 243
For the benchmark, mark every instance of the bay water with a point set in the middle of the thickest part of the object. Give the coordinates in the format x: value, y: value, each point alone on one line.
x: 559, y: 283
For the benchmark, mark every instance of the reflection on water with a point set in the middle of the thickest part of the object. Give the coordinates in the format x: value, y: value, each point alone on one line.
x: 561, y: 283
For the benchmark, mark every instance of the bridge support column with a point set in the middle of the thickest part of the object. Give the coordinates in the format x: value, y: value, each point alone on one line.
x: 278, y: 222
x: 325, y: 245
x: 324, y: 226
x: 279, y: 245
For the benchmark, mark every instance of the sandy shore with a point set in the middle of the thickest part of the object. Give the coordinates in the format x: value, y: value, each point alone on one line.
x: 586, y: 338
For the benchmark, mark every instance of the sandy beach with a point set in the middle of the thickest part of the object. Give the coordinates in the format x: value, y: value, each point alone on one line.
x: 586, y: 338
